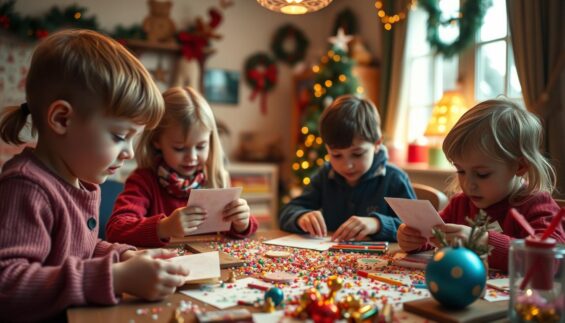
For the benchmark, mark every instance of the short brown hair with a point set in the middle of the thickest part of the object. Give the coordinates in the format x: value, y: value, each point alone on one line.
x: 349, y: 117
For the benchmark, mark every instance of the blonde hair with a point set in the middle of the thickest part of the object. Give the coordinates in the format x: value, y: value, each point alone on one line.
x: 349, y: 117
x: 506, y: 132
x: 81, y: 66
x: 185, y: 106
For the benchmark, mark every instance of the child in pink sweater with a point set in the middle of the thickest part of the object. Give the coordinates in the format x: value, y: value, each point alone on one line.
x: 495, y: 149
x: 87, y: 97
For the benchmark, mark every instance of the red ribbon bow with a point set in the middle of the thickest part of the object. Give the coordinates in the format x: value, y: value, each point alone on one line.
x: 260, y: 78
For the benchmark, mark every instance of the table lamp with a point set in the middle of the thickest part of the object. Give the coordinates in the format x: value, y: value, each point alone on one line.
x: 445, y: 114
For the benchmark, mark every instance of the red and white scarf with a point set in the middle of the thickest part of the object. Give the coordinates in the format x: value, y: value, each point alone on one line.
x: 176, y: 184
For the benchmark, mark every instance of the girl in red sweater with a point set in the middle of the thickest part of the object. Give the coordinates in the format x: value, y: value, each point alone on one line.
x: 87, y: 96
x: 181, y: 154
x: 495, y: 149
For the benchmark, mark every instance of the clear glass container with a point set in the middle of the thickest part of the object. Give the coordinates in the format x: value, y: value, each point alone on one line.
x: 537, y: 281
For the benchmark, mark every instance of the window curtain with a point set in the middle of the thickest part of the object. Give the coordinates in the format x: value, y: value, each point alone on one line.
x: 537, y: 29
x: 392, y: 69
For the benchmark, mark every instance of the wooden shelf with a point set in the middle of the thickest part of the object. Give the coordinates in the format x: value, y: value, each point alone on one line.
x: 260, y: 189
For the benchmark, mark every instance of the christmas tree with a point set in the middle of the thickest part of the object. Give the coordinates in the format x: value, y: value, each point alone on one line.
x: 333, y: 78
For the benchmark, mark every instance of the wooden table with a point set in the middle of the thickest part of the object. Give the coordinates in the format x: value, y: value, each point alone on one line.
x: 162, y: 311
x: 126, y: 310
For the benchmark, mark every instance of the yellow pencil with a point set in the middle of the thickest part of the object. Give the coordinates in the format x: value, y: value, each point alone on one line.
x: 379, y: 278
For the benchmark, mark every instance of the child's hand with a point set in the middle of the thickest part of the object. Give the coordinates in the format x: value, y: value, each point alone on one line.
x: 154, y: 253
x: 313, y: 222
x: 181, y: 222
x: 409, y: 238
x: 147, y: 277
x: 356, y: 228
x: 237, y: 212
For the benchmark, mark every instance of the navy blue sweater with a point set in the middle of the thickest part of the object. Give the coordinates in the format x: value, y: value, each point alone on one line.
x: 330, y: 193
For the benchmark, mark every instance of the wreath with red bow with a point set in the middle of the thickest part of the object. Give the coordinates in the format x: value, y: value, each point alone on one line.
x: 261, y: 73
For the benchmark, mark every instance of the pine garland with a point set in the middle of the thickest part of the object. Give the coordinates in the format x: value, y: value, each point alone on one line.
x: 479, y: 226
x: 35, y: 28
x: 469, y: 21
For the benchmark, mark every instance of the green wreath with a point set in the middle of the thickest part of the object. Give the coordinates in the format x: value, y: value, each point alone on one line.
x: 472, y: 14
x: 300, y: 44
x: 261, y: 72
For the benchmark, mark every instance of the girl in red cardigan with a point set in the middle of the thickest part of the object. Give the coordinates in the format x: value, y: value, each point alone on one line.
x: 495, y: 149
x: 181, y: 154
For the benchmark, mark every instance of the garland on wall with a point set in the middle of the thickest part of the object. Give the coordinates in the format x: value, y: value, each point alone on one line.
x: 36, y: 28
x: 296, y: 36
x: 194, y: 40
x: 469, y: 21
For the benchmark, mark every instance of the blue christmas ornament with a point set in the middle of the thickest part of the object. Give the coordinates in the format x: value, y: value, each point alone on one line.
x: 275, y: 294
x: 456, y: 277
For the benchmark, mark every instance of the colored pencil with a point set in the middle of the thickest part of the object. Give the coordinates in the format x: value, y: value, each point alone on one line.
x: 379, y: 278
x: 246, y: 303
x: 364, y: 243
x: 377, y: 251
x: 421, y: 286
x: 346, y: 246
x: 259, y: 287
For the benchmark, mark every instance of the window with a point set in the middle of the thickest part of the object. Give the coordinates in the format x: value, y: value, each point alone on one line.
x: 487, y: 68
x: 495, y: 71
x: 427, y: 75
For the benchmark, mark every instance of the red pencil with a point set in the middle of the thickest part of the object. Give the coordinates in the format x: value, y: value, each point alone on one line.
x: 259, y: 287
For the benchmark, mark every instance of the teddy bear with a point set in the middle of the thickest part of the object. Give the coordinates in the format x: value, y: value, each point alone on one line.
x: 158, y: 26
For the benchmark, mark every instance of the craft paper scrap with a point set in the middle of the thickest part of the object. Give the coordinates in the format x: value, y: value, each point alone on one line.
x: 419, y: 214
x: 229, y: 294
x: 213, y: 200
x: 274, y: 317
x: 303, y: 241
x: 204, y: 265
x: 502, y: 284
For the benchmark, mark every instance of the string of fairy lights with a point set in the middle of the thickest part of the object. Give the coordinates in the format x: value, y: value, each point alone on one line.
x: 389, y: 20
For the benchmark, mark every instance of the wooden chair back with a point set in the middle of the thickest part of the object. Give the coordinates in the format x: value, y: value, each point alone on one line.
x: 436, y: 197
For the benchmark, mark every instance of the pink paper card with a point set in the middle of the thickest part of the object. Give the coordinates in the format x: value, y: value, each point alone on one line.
x: 418, y: 214
x: 214, y: 201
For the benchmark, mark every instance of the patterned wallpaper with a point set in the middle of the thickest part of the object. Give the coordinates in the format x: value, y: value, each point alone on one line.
x: 15, y: 57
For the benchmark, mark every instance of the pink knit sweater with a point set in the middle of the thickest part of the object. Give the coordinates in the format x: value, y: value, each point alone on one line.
x: 50, y: 256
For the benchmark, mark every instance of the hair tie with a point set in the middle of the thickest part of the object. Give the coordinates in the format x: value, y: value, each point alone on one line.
x: 24, y: 107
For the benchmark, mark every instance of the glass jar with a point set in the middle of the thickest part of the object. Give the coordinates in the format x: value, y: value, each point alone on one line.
x: 537, y: 281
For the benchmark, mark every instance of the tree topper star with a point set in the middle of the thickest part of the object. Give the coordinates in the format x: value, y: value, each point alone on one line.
x: 340, y: 40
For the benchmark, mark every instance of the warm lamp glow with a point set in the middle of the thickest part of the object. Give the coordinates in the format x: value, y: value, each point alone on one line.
x: 294, y: 7
x: 445, y: 114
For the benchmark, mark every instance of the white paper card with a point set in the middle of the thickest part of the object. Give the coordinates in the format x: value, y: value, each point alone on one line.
x: 418, y: 214
x: 230, y: 293
x: 303, y: 241
x: 213, y: 200
x: 204, y: 265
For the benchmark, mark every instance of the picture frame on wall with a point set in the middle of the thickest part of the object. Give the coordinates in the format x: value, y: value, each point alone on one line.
x: 221, y: 86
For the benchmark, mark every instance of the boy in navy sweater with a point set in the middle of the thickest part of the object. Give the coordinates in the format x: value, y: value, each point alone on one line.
x: 347, y: 194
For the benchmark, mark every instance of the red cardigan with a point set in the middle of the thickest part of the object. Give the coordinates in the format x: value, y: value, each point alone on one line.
x: 538, y: 210
x: 140, y: 207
